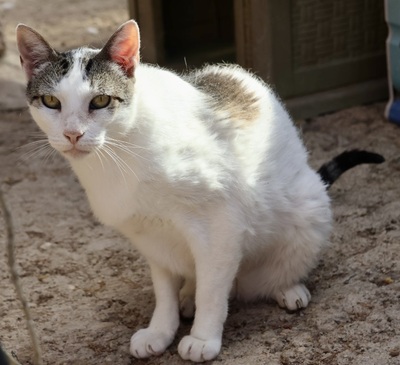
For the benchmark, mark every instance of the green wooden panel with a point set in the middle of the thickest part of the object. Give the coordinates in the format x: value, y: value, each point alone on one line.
x: 332, y: 44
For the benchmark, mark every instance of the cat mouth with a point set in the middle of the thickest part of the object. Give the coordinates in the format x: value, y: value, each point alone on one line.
x: 76, y: 153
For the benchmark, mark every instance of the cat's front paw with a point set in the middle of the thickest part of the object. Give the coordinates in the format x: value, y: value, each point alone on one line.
x: 296, y: 297
x: 194, y: 349
x: 146, y: 343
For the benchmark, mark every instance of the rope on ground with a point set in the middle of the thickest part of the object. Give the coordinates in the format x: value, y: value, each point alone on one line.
x: 16, y: 281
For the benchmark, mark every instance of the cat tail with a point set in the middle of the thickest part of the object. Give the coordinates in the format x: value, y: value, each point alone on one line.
x: 330, y: 171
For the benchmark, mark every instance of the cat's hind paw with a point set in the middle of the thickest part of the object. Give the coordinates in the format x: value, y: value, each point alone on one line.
x: 297, y: 297
x: 187, y: 307
x: 194, y: 349
x: 146, y: 343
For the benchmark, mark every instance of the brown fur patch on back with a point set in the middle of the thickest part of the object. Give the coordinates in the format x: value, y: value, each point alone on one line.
x: 227, y: 93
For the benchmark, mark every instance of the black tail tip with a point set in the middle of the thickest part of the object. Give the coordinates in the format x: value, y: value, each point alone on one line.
x: 368, y: 157
x: 331, y: 170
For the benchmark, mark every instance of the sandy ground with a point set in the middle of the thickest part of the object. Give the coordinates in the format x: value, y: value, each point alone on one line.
x: 88, y: 288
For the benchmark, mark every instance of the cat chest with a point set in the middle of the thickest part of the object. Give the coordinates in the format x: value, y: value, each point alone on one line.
x: 143, y: 219
x: 112, y: 202
x: 113, y: 192
x: 160, y: 242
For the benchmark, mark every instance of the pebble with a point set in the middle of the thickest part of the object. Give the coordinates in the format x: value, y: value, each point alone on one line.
x: 394, y: 352
x: 92, y: 30
x: 8, y: 5
x: 46, y: 245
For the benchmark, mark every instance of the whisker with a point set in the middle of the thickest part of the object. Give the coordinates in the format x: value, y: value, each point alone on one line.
x: 35, y: 152
x: 49, y: 157
x: 119, y: 161
x: 126, y: 143
x: 111, y: 154
x: 90, y: 167
x: 100, y: 155
x: 36, y: 134
x: 39, y: 149
x: 127, y: 148
x: 33, y: 143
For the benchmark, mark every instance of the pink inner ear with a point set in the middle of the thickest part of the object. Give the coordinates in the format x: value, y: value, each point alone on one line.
x: 125, y: 48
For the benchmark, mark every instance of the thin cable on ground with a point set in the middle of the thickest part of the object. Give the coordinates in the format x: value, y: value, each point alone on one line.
x: 15, y: 280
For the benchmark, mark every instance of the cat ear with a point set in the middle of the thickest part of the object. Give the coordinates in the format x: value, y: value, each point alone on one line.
x: 123, y: 47
x: 33, y: 49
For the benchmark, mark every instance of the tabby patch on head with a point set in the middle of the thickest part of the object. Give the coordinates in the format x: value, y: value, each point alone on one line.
x: 108, y: 78
x: 46, y: 77
x: 104, y: 76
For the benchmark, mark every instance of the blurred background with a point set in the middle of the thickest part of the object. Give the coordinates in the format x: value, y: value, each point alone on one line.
x: 320, y: 56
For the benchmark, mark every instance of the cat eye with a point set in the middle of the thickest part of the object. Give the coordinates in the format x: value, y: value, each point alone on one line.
x: 51, y: 102
x: 99, y: 102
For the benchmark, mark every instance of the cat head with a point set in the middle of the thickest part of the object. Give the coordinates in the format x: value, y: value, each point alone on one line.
x: 81, y: 97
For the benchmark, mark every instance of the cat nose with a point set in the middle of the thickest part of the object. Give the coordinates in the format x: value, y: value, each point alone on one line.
x: 73, y: 136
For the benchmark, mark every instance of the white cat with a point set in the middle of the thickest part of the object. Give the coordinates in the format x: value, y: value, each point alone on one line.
x: 205, y: 174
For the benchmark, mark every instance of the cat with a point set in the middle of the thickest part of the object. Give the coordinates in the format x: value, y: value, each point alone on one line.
x: 205, y: 173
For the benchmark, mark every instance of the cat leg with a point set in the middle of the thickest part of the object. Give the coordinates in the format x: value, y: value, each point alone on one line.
x: 187, y: 298
x: 291, y: 266
x: 281, y: 266
x: 164, y: 323
x: 217, y: 261
x: 212, y: 292
x: 278, y: 278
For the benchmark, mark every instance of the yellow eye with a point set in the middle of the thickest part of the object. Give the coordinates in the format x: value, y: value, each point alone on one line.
x: 51, y: 102
x: 100, y: 101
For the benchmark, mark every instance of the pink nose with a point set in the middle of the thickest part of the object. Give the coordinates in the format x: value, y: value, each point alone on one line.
x: 73, y: 136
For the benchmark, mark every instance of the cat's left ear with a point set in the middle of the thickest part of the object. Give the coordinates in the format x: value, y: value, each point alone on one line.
x: 123, y: 47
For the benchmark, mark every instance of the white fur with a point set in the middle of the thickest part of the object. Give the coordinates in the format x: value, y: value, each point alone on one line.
x: 231, y: 210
